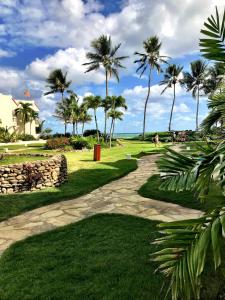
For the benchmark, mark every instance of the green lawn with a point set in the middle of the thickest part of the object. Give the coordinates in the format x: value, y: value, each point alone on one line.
x: 85, y: 175
x: 188, y: 199
x: 20, y: 159
x: 102, y: 257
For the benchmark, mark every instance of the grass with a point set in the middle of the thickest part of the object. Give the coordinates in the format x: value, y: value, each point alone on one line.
x: 19, y: 159
x: 85, y: 175
x: 102, y: 257
x: 187, y: 199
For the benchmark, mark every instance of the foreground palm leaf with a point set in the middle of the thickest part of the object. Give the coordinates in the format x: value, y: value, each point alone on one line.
x: 213, y: 46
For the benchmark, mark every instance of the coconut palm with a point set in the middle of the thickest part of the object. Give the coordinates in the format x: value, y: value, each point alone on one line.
x: 172, y: 77
x: 93, y: 102
x: 23, y: 113
x: 216, y: 75
x: 114, y: 115
x: 104, y: 55
x: 57, y: 82
x: 212, y: 45
x: 73, y: 107
x: 84, y: 117
x: 62, y: 112
x: 33, y: 117
x: 151, y: 59
x: 106, y: 105
x: 195, y: 81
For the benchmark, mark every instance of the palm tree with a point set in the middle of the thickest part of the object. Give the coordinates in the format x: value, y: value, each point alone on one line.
x: 106, y: 105
x: 73, y: 107
x: 216, y: 74
x: 62, y: 112
x: 196, y: 81
x: 57, y: 82
x: 33, y: 117
x: 171, y: 79
x: 23, y: 113
x: 93, y: 102
x: 104, y: 55
x: 151, y: 59
x: 84, y: 117
x: 114, y: 115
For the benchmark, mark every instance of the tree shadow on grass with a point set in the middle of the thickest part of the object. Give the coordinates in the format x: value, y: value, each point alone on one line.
x: 79, y: 183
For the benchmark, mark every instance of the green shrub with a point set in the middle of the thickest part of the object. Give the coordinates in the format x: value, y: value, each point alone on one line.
x: 80, y: 143
x: 25, y: 137
x: 7, y: 137
x: 57, y: 143
x: 91, y: 132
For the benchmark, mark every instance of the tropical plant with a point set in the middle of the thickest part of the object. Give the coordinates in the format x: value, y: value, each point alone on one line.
x: 215, y: 80
x: 151, y: 59
x: 23, y: 113
x: 84, y: 117
x: 33, y: 117
x: 187, y: 243
x: 172, y: 77
x: 195, y: 81
x: 213, y: 45
x: 62, y: 112
x: 93, y: 102
x: 114, y: 115
x: 73, y: 107
x: 57, y: 82
x: 104, y: 55
x: 106, y: 105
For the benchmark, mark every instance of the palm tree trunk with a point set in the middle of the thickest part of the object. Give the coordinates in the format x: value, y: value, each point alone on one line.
x: 111, y: 131
x: 77, y: 128
x: 73, y: 128
x: 106, y: 94
x: 174, y: 98
x: 146, y: 103
x: 110, y: 137
x: 197, y: 110
x: 96, y: 123
x: 114, y: 121
x: 62, y: 95
x: 65, y: 128
x: 82, y: 128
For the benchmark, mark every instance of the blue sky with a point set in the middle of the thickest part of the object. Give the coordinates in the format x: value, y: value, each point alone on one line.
x: 37, y: 36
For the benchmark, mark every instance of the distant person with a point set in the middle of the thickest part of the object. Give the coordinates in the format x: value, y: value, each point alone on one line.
x: 156, y: 140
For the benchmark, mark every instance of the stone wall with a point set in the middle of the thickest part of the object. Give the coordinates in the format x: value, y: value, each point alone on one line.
x: 35, y: 175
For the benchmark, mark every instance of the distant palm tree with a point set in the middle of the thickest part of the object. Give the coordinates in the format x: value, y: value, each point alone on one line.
x: 104, y: 55
x: 84, y: 117
x: 216, y: 74
x: 195, y: 81
x: 33, y: 117
x: 73, y: 108
x: 106, y: 105
x: 57, y: 82
x: 93, y: 102
x: 23, y: 113
x: 171, y: 78
x: 114, y: 115
x: 151, y: 59
x: 62, y: 112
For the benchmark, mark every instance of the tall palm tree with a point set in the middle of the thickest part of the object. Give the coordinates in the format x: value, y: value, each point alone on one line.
x: 171, y: 79
x: 84, y: 117
x: 33, y: 117
x: 73, y: 107
x: 106, y: 105
x: 195, y: 81
x: 57, y: 82
x: 216, y: 75
x: 115, y: 102
x: 104, y: 55
x: 114, y: 115
x: 23, y: 113
x: 151, y: 59
x: 93, y: 102
x: 62, y: 112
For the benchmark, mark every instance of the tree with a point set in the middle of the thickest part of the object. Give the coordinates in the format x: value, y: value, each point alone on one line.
x: 212, y: 45
x: 195, y: 81
x: 106, y: 104
x: 114, y: 115
x: 33, y: 117
x: 84, y: 117
x: 171, y: 79
x: 57, y: 82
x: 93, y: 102
x: 73, y: 107
x: 104, y: 55
x: 151, y: 59
x: 23, y: 113
x: 62, y: 112
x: 216, y: 73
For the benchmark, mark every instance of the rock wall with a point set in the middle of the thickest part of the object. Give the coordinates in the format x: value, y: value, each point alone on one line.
x: 33, y: 176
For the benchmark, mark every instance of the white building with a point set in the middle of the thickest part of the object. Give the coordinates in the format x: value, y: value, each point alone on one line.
x: 8, y: 105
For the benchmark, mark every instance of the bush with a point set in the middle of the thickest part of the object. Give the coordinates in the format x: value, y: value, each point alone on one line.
x: 7, y: 137
x: 57, y: 143
x: 57, y: 135
x: 25, y: 137
x: 91, y: 132
x: 79, y: 143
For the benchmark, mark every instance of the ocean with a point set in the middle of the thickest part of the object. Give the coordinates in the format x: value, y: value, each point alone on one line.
x: 124, y: 135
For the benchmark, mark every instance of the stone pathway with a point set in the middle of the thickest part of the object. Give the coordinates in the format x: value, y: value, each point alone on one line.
x: 119, y: 196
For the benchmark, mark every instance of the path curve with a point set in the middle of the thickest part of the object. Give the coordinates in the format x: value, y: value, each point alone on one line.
x: 119, y: 196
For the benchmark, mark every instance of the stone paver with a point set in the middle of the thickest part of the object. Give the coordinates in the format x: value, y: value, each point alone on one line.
x: 119, y: 196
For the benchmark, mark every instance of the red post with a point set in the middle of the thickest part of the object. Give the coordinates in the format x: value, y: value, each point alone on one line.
x: 97, y: 152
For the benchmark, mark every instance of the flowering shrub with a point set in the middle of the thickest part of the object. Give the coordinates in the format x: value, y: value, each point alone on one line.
x: 57, y: 143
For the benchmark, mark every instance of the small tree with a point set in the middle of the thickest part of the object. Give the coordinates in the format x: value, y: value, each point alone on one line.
x: 23, y: 113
